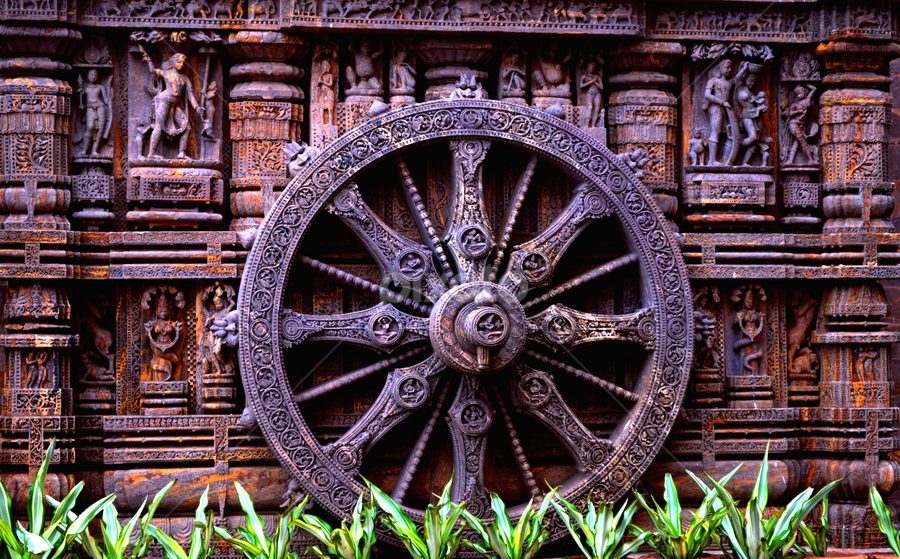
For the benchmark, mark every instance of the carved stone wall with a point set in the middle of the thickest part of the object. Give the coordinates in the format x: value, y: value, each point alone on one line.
x: 144, y: 142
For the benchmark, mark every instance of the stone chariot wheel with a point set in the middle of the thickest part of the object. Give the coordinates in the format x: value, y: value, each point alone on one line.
x: 518, y: 312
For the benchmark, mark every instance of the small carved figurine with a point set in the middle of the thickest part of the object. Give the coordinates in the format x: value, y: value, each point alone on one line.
x: 163, y: 332
x: 95, y: 100
x: 749, y: 321
x: 209, y: 103
x: 797, y: 131
x: 512, y: 74
x: 705, y: 356
x: 752, y: 108
x: 551, y: 78
x: 217, y: 301
x: 592, y: 85
x: 327, y: 94
x: 36, y: 375
x: 362, y: 75
x: 403, y: 75
x: 169, y: 116
x: 697, y: 147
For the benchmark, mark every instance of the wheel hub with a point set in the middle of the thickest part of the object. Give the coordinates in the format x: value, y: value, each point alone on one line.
x: 477, y: 328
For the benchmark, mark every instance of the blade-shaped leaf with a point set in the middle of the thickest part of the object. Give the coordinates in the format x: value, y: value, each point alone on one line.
x: 36, y: 493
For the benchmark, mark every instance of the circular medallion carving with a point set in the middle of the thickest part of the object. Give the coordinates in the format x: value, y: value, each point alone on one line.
x: 470, y: 335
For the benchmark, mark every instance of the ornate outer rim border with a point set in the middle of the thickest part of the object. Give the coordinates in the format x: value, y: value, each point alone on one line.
x: 638, y: 437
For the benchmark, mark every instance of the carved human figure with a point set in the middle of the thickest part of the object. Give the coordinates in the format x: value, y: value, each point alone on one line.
x: 36, y: 375
x: 696, y: 147
x: 95, y: 100
x: 592, y: 85
x: 209, y: 104
x: 717, y: 105
x: 102, y: 351
x: 551, y: 78
x: 752, y: 107
x: 403, y: 75
x: 217, y: 301
x: 168, y: 109
x: 750, y: 322
x: 362, y: 75
x: 163, y: 333
x: 706, y: 356
x: 512, y: 74
x: 798, y: 132
x: 327, y: 94
x: 864, y: 363
x: 803, y: 307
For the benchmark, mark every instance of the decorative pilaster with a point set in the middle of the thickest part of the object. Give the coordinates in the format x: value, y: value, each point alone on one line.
x: 855, y: 117
x: 850, y: 336
x: 265, y: 115
x: 34, y: 127
x: 644, y: 116
x: 35, y: 113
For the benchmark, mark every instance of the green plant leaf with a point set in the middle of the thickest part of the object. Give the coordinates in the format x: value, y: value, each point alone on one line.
x: 254, y: 522
x: 170, y: 547
x: 33, y: 543
x: 62, y: 510
x: 761, y: 488
x: 36, y: 492
x: 673, y: 506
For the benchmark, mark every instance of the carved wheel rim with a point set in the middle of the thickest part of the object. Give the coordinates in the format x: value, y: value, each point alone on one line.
x: 470, y: 328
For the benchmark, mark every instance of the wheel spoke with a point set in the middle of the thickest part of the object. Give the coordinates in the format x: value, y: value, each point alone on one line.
x: 470, y: 417
x: 516, y: 445
x: 591, y: 275
x: 423, y: 221
x: 383, y: 328
x: 469, y: 234
x: 510, y: 221
x: 353, y: 376
x: 532, y: 264
x: 560, y: 327
x: 363, y: 285
x: 407, y: 263
x: 535, y: 394
x: 610, y: 388
x: 405, y: 390
x: 415, y: 456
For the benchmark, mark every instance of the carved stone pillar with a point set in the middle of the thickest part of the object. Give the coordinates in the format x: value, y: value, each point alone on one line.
x: 855, y: 116
x: 34, y: 127
x: 643, y: 116
x: 265, y: 115
x: 854, y: 349
x: 35, y: 111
